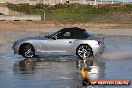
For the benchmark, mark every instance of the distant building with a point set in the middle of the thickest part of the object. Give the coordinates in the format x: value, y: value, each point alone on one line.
x: 53, y: 2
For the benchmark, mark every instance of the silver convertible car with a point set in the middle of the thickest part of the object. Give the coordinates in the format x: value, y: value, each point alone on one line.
x: 67, y: 41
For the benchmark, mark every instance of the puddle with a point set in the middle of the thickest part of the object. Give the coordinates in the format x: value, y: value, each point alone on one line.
x: 63, y: 71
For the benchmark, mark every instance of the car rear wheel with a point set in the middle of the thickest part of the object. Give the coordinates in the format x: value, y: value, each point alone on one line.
x: 84, y: 51
x: 27, y: 51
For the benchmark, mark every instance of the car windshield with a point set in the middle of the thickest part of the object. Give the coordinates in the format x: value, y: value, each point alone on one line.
x: 52, y: 34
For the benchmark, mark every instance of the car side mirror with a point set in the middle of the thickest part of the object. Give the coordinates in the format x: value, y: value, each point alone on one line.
x: 55, y: 37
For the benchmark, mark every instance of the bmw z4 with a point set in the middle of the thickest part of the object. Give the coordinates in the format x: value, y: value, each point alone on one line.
x: 67, y: 41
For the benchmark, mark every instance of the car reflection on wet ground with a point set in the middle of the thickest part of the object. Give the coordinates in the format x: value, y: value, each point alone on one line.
x: 63, y: 71
x: 56, y: 71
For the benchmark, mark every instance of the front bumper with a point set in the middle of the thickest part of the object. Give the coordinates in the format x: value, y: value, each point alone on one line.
x: 16, y: 49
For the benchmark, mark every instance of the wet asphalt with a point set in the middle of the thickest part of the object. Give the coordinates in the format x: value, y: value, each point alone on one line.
x: 63, y: 72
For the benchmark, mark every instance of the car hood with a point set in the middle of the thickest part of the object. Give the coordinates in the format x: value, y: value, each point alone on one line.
x: 31, y: 38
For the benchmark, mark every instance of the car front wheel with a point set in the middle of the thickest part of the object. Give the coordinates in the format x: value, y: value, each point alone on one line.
x: 27, y: 51
x: 84, y: 51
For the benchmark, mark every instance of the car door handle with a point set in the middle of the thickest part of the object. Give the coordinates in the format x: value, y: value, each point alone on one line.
x: 70, y: 41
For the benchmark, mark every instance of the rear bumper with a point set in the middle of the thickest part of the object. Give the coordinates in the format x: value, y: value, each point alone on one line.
x: 98, y: 49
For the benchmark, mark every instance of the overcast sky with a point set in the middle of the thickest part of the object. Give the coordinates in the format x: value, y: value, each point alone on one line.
x: 119, y: 0
x: 125, y: 0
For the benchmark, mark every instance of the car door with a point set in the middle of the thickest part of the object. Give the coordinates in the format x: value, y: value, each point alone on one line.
x: 61, y: 43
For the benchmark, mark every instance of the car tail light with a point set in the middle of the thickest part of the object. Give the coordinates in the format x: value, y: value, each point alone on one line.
x: 99, y: 42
